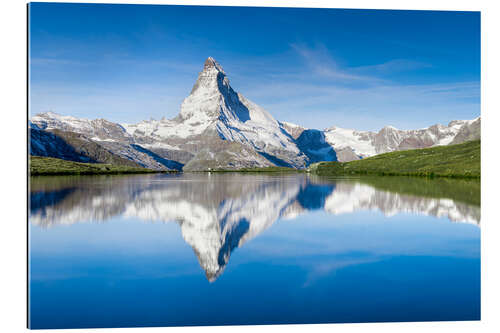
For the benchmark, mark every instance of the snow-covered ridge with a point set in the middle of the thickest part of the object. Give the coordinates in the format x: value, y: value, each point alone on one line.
x: 214, y: 113
x: 96, y: 129
x: 260, y: 131
x: 213, y: 107
x: 389, y: 138
x: 359, y: 142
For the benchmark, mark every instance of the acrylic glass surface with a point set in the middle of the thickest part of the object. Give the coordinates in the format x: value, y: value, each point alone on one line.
x: 216, y: 249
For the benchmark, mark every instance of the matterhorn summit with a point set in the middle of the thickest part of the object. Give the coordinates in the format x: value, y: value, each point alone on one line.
x: 237, y: 119
x: 207, y: 93
x: 218, y: 128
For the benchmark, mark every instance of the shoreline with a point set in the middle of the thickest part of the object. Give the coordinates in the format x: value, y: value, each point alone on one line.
x: 91, y: 173
x: 340, y: 175
x: 461, y: 161
x: 49, y: 166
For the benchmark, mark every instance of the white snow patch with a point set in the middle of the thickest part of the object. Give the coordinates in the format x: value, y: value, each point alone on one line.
x: 341, y: 138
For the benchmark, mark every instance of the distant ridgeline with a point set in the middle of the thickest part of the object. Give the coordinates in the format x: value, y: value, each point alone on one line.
x: 219, y: 129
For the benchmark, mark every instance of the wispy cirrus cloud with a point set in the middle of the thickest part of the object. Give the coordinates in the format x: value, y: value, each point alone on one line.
x: 322, y: 64
x: 392, y: 66
x: 368, y: 108
x: 361, y: 97
x: 315, y: 91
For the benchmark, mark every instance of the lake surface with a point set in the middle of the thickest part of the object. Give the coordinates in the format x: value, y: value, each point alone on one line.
x: 218, y: 249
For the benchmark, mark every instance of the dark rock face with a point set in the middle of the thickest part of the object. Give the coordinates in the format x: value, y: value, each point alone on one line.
x: 170, y: 164
x: 386, y: 139
x: 346, y: 155
x: 469, y: 132
x: 77, y: 147
x: 180, y: 156
x: 142, y: 156
x: 415, y: 142
x: 222, y: 154
x: 47, y: 144
x: 98, y: 128
x: 293, y: 131
x: 72, y: 147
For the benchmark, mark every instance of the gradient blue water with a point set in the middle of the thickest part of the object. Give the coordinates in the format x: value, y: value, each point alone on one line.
x: 317, y: 267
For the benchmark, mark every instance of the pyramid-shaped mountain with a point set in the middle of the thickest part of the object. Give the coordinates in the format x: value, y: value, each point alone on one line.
x: 218, y: 128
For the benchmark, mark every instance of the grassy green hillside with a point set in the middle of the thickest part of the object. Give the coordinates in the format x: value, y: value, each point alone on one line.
x: 458, y: 161
x: 55, y: 166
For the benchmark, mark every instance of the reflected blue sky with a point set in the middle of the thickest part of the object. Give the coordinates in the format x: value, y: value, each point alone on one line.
x: 305, y: 268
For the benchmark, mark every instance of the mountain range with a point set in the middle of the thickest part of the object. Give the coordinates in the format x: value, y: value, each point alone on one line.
x: 218, y: 128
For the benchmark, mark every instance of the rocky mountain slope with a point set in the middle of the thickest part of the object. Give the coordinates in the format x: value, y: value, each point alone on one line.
x: 90, y: 141
x: 468, y: 131
x: 212, y: 116
x: 72, y: 146
x: 218, y: 128
x: 366, y: 143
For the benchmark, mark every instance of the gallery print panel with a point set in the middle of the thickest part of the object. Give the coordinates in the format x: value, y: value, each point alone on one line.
x: 208, y: 165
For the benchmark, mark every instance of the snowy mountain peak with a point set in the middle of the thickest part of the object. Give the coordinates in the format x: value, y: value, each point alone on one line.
x: 210, y: 91
x: 212, y: 64
x: 218, y: 128
x: 212, y: 99
x: 57, y: 116
x: 213, y: 105
x: 389, y: 138
x: 49, y: 114
x: 212, y: 78
x: 389, y: 127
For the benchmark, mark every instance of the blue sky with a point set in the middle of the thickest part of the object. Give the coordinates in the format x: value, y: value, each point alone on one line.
x: 360, y: 69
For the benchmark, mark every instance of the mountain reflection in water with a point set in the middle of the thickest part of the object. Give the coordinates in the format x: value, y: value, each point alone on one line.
x: 220, y: 212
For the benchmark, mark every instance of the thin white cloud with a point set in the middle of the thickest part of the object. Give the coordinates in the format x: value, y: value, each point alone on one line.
x: 392, y: 66
x: 322, y: 94
x: 318, y: 93
x: 320, y: 63
x: 368, y: 108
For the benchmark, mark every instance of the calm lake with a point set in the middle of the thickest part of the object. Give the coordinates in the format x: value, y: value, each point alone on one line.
x: 218, y: 249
